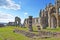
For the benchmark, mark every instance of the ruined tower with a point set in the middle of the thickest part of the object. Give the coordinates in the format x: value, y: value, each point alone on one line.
x: 58, y: 12
x: 30, y: 23
x: 43, y: 19
x: 54, y: 14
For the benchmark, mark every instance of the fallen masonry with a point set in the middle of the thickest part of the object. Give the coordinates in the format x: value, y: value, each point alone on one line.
x: 28, y: 34
x: 42, y: 34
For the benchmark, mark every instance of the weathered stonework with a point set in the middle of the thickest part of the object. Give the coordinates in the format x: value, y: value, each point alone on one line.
x: 49, y: 17
x: 17, y: 21
x: 53, y: 15
x: 30, y: 23
x: 35, y: 22
x: 43, y: 19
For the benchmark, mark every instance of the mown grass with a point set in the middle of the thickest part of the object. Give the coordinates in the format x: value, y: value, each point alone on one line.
x: 52, y: 29
x: 6, y: 33
x: 47, y: 29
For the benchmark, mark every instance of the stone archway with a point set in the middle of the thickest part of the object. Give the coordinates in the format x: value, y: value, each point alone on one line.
x: 53, y: 22
x: 17, y: 21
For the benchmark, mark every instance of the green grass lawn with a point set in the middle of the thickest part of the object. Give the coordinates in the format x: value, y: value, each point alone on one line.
x: 52, y: 30
x: 6, y: 33
x: 47, y: 29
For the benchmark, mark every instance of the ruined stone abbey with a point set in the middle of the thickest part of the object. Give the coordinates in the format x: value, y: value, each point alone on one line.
x: 48, y: 17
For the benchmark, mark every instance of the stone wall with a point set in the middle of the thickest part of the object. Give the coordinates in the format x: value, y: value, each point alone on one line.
x: 49, y: 17
x: 17, y: 21
x: 35, y: 22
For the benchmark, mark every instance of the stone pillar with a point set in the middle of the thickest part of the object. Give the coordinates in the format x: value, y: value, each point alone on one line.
x: 16, y: 21
x: 30, y: 23
x: 57, y: 23
x: 57, y: 13
x: 49, y: 20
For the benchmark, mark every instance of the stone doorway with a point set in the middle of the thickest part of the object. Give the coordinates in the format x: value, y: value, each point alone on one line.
x: 53, y: 22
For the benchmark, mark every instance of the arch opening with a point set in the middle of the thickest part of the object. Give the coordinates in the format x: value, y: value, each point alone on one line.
x: 53, y: 22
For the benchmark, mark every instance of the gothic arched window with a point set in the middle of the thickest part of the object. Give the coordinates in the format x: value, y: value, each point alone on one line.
x: 53, y: 10
x: 59, y: 10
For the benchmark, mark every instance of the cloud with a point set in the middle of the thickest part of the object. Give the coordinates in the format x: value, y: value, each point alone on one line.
x: 25, y: 14
x: 9, y: 4
x: 5, y: 17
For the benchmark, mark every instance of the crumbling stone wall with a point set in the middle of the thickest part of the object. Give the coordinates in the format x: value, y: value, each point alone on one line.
x: 17, y: 21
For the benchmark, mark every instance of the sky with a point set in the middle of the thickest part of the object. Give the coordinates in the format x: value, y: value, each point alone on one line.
x: 9, y: 9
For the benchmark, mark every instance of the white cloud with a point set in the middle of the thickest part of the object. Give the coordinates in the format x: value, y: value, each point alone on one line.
x: 5, y: 17
x: 25, y: 14
x: 9, y: 4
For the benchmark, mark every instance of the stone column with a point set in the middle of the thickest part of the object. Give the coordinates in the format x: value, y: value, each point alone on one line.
x: 19, y: 23
x: 16, y: 21
x: 57, y: 13
x: 49, y: 20
x: 30, y: 23
x: 57, y: 23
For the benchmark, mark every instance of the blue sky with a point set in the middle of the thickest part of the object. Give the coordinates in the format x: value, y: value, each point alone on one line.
x: 9, y: 9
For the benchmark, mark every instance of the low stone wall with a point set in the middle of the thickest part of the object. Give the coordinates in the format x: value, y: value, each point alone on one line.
x: 28, y: 34
x: 42, y: 34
